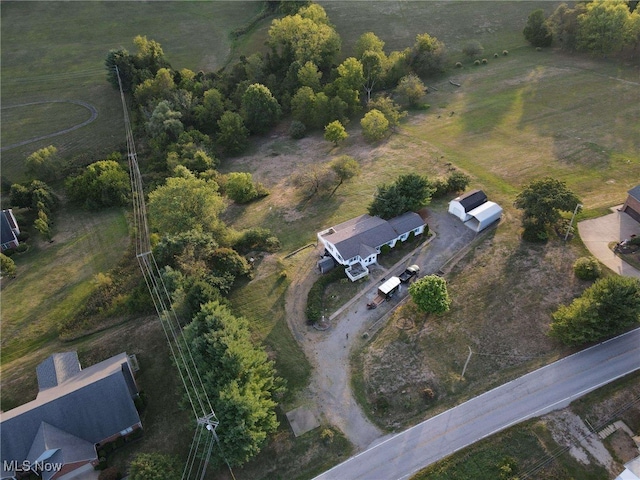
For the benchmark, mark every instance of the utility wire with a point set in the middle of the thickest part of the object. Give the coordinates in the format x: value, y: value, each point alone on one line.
x: 206, y: 420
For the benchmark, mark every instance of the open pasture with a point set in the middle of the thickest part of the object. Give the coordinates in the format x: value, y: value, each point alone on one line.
x: 56, y: 51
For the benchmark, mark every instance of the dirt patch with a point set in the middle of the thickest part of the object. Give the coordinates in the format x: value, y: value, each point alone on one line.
x: 571, y: 432
x: 622, y: 446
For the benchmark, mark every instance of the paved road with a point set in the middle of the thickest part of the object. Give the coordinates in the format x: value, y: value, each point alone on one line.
x: 539, y: 392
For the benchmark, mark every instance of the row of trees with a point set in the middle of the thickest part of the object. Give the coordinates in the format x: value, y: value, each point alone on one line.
x: 600, y: 26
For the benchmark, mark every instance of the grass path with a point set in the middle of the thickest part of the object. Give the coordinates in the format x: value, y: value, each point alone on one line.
x: 93, y: 115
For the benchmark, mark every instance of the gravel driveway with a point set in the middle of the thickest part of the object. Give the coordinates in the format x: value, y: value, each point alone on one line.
x: 329, y: 351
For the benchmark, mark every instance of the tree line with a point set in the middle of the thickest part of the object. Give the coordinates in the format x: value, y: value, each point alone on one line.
x: 600, y: 26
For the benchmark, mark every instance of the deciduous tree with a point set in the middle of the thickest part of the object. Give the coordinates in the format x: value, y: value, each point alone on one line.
x: 542, y: 201
x: 427, y: 55
x: 7, y: 266
x: 260, y: 110
x: 185, y: 203
x: 239, y: 379
x: 606, y: 26
x: 374, y: 125
x: 335, y: 132
x: 411, y: 90
x: 345, y: 168
x: 430, y: 294
x: 232, y: 136
x: 608, y: 307
x: 43, y: 164
x: 102, y: 184
x: 537, y: 32
x: 408, y: 193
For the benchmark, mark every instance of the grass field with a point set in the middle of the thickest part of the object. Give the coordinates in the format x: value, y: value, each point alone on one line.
x: 44, y: 59
x: 517, y: 118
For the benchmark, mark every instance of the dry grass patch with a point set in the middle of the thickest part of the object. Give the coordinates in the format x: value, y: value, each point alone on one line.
x: 503, y: 293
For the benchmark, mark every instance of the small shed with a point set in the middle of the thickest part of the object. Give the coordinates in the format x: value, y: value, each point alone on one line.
x: 326, y: 263
x: 483, y: 216
x: 462, y: 206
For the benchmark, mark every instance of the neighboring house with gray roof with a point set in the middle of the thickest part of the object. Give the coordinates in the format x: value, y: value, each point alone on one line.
x: 75, y: 412
x: 9, y: 230
x: 632, y: 205
x: 356, y: 243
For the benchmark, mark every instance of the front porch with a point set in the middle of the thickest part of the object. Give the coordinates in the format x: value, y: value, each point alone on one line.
x: 357, y: 271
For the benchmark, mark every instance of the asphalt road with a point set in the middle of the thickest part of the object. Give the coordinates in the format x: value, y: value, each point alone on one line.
x: 549, y: 388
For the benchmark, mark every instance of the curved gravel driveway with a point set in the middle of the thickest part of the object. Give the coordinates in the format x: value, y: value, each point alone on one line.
x: 329, y: 351
x: 88, y: 106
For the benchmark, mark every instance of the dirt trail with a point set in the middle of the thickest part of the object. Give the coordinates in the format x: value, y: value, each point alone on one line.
x: 328, y: 351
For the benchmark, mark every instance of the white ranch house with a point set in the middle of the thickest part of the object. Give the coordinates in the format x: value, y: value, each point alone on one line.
x: 356, y: 243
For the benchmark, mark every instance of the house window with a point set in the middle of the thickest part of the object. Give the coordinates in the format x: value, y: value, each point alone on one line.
x: 126, y: 431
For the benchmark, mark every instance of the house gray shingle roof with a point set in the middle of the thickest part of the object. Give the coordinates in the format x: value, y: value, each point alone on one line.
x: 472, y: 199
x: 6, y: 232
x: 635, y: 192
x: 70, y: 449
x: 93, y: 405
x: 56, y: 369
x: 363, y: 234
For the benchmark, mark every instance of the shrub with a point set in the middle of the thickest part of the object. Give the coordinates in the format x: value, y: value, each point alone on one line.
x: 505, y: 52
x: 327, y: 436
x: 538, y: 49
x: 587, y: 268
x: 634, y: 240
x: 428, y: 394
x: 495, y: 55
x: 441, y: 188
x: 315, y: 297
x: 484, y: 61
x: 458, y: 65
x: 297, y: 130
x: 477, y: 62
x: 384, y: 249
x: 111, y: 473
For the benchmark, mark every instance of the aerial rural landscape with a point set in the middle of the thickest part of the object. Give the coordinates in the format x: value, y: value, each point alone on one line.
x: 332, y: 240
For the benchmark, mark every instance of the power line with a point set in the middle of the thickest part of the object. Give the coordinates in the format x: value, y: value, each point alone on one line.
x: 206, y: 420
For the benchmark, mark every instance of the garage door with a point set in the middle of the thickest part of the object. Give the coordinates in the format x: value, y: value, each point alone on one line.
x: 632, y: 213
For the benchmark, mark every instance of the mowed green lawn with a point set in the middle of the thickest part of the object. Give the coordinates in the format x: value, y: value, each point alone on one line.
x: 56, y: 51
x: 54, y: 279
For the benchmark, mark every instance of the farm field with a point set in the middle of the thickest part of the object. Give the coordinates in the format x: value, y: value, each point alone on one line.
x: 45, y: 60
x: 517, y: 118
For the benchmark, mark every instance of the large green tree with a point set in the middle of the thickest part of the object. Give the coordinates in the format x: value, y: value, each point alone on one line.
x: 542, y: 201
x: 408, y: 193
x: 43, y: 164
x: 537, y: 32
x: 7, y: 266
x: 427, y: 55
x: 239, y: 380
x: 305, y: 37
x: 185, y: 203
x: 260, y: 110
x: 607, y: 26
x: 609, y: 306
x: 102, y: 184
x: 232, y: 136
x: 430, y: 294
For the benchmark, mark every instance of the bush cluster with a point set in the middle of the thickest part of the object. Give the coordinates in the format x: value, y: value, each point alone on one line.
x: 587, y: 268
